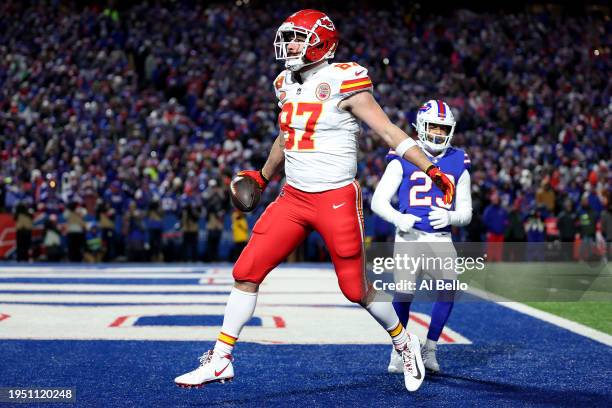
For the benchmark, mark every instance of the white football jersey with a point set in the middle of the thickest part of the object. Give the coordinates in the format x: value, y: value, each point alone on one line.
x: 320, y: 138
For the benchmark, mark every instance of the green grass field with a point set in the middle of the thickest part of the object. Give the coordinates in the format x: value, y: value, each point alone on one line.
x: 580, y: 292
x: 597, y: 315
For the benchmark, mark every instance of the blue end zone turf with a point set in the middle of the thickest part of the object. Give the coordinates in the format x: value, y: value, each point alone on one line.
x: 515, y: 360
x: 130, y: 374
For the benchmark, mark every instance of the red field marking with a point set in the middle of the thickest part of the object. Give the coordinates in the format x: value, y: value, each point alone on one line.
x: 279, y: 322
x: 273, y: 342
x: 4, y: 316
x: 423, y: 323
x: 118, y: 321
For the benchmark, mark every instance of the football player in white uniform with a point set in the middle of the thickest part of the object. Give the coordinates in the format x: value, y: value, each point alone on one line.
x: 424, y: 221
x: 321, y: 105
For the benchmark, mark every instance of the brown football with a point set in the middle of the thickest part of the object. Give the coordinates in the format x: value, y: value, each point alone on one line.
x: 245, y: 193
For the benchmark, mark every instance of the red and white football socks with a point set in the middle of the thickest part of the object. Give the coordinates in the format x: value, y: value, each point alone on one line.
x: 398, y: 334
x: 238, y: 311
x: 385, y: 315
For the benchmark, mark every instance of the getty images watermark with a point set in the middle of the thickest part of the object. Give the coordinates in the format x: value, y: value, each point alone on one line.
x: 443, y: 271
x: 476, y: 271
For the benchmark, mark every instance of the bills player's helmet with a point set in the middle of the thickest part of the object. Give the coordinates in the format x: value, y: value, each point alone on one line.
x: 438, y: 113
x: 317, y: 32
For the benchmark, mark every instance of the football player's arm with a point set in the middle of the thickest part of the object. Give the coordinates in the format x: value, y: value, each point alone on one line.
x: 462, y: 215
x: 386, y: 189
x: 274, y: 162
x: 381, y: 200
x: 364, y: 107
x: 276, y: 157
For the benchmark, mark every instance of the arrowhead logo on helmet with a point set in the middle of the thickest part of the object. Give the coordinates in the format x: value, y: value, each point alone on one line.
x: 326, y: 23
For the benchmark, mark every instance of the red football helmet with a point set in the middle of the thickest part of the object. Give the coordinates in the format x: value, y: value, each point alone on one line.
x: 321, y: 38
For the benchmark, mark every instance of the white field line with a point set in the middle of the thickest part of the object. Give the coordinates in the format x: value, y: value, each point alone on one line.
x: 566, y: 324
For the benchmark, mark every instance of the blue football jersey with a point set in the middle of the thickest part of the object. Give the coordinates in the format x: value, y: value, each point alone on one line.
x: 417, y: 193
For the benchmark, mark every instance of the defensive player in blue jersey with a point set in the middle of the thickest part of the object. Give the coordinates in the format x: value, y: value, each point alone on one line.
x: 423, y: 218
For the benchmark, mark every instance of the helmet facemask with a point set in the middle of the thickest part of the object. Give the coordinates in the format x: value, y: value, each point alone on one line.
x: 289, y: 34
x: 433, y: 141
x: 311, y: 43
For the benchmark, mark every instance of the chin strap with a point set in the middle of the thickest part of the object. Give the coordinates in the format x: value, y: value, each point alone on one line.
x: 304, y: 64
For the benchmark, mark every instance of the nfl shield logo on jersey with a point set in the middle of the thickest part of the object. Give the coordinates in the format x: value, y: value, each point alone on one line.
x: 323, y: 91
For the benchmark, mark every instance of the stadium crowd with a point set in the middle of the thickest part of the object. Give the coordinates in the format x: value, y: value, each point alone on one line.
x: 121, y: 128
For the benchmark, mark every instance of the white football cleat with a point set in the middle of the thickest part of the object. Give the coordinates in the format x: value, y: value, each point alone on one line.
x: 414, y: 371
x: 429, y: 359
x: 396, y: 364
x: 214, y: 367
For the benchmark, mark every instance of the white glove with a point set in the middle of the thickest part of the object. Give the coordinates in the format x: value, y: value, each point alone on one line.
x: 405, y: 222
x: 439, y: 217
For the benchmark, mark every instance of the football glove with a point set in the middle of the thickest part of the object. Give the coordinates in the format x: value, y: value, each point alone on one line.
x: 256, y: 175
x: 442, y: 182
x: 405, y: 222
x: 439, y: 217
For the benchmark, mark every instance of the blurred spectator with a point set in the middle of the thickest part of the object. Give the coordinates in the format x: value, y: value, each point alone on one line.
x: 383, y: 231
x: 189, y: 224
x: 546, y: 196
x: 316, y: 251
x: 476, y: 230
x: 106, y: 220
x: 75, y: 228
x: 606, y: 227
x: 214, y: 227
x: 240, y: 232
x: 595, y: 202
x: 495, y: 219
x: 2, y: 194
x: 52, y: 240
x: 23, y: 226
x: 215, y: 200
x: 587, y: 220
x: 534, y: 226
x: 154, y: 229
x: 566, y: 223
x: 515, y: 235
x: 171, y: 234
x: 134, y: 230
x: 94, y: 249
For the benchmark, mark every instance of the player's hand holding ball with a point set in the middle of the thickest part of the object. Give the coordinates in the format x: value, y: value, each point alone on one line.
x: 442, y: 182
x: 246, y: 189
